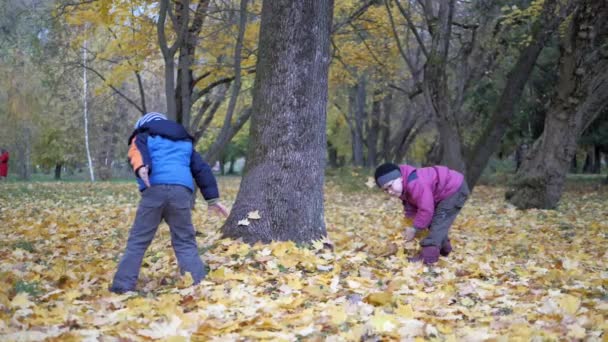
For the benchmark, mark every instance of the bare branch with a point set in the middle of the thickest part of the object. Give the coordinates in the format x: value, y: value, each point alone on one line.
x: 412, y: 27
x: 207, y: 89
x: 394, y: 30
x: 356, y: 14
x: 363, y: 40
x: 116, y: 90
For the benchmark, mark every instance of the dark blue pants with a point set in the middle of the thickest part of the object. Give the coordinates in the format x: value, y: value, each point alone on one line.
x: 445, y: 214
x: 172, y: 203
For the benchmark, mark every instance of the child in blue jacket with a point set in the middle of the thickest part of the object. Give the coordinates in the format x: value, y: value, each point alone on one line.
x: 164, y: 160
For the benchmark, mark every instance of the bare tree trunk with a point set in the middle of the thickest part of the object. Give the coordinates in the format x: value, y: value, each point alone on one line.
x: 435, y: 84
x: 582, y: 94
x: 107, y: 148
x: 25, y: 169
x: 597, y: 160
x: 86, y: 112
x: 516, y: 81
x: 592, y: 160
x: 284, y: 174
x: 168, y: 53
x: 332, y: 155
x: 357, y: 110
x: 58, y: 171
x: 385, y: 127
x: 373, y: 132
x: 229, y: 129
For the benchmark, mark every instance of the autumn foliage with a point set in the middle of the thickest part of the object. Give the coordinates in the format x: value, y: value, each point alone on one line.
x: 514, y: 275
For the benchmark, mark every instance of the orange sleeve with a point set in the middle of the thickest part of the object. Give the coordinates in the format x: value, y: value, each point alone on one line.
x: 135, y: 157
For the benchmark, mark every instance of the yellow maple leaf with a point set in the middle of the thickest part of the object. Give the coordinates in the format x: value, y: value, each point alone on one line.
x: 21, y: 301
x: 569, y: 303
x: 382, y: 322
x: 337, y: 314
x: 404, y: 311
x: 254, y: 215
x: 379, y: 298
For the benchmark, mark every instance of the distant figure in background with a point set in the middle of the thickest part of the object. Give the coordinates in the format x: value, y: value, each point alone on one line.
x: 3, y: 164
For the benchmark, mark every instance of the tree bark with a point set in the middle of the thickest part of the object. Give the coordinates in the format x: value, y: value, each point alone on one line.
x: 284, y: 174
x: 582, y: 94
x: 435, y: 84
x: 516, y: 81
x: 592, y: 160
x: 385, y: 127
x: 168, y: 53
x: 25, y: 169
x: 332, y: 155
x: 374, y: 131
x: 357, y: 110
x: 58, y: 171
x: 85, y: 101
x: 229, y: 129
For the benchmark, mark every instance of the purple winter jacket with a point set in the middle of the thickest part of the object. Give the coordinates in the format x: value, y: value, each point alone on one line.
x: 429, y: 186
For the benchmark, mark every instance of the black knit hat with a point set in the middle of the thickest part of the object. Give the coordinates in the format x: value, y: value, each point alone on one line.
x: 386, y: 173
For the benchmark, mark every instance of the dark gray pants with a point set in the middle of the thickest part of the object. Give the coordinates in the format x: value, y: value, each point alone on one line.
x: 172, y: 203
x: 445, y: 214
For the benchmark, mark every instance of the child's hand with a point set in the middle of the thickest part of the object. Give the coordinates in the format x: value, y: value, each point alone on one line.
x: 143, y: 174
x: 219, y: 209
x: 409, y: 234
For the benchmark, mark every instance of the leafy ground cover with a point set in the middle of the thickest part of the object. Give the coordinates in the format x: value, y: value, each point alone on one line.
x: 513, y: 275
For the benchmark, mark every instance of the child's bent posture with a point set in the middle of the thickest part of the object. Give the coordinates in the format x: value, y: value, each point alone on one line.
x: 432, y: 196
x: 163, y: 158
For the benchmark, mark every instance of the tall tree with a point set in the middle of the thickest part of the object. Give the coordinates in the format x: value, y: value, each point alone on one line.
x: 193, y: 39
x: 552, y: 15
x: 582, y: 95
x: 284, y: 175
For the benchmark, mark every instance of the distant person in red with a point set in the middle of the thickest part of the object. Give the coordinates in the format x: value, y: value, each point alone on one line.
x: 3, y: 164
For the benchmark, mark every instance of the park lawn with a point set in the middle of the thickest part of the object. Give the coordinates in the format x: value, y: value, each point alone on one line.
x: 512, y: 275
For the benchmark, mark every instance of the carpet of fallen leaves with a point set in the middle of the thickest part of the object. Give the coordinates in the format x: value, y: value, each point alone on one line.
x: 513, y: 275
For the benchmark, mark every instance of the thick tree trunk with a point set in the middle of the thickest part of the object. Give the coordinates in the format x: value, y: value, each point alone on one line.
x: 58, y: 171
x: 516, y: 81
x: 435, y: 85
x: 284, y: 174
x: 582, y: 94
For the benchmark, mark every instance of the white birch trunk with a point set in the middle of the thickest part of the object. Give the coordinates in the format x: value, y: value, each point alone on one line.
x: 86, y: 114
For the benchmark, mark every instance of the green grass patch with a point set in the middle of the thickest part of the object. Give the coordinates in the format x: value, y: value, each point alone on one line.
x: 25, y: 245
x: 31, y: 288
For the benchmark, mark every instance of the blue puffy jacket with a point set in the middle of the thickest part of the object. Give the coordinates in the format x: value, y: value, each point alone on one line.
x: 167, y: 149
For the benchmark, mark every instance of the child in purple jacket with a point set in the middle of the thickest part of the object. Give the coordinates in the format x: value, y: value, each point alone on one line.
x: 432, y: 196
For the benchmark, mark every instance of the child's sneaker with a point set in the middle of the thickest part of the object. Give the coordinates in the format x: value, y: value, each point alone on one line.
x: 446, y: 248
x: 428, y: 255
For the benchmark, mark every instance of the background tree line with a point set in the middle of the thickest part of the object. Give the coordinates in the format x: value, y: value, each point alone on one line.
x: 457, y: 83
